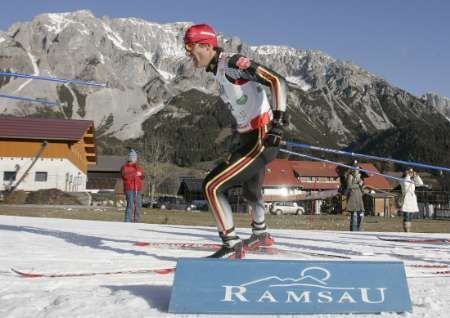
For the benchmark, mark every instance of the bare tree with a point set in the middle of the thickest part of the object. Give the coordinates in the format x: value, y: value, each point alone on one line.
x: 156, y: 155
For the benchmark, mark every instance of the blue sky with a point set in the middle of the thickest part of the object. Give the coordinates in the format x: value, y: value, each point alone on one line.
x: 407, y: 42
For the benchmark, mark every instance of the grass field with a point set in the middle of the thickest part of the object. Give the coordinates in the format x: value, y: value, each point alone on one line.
x: 303, y: 222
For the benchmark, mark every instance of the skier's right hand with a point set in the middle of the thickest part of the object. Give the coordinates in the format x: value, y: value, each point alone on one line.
x: 274, y: 135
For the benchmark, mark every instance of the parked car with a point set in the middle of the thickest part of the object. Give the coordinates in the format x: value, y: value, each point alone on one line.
x: 286, y: 207
x: 200, y: 205
x: 173, y: 203
x: 148, y: 203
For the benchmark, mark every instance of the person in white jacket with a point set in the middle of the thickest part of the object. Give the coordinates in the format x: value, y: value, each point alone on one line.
x: 410, y: 180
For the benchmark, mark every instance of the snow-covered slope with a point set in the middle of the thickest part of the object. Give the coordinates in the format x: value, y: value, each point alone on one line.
x: 56, y: 245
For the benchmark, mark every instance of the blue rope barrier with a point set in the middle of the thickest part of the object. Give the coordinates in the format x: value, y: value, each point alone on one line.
x: 354, y: 154
x: 52, y: 79
x: 32, y: 100
x: 344, y: 165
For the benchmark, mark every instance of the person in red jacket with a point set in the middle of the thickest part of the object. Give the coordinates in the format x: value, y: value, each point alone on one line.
x: 133, y: 176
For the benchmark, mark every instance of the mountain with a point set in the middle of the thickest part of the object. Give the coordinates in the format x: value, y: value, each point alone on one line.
x: 154, y: 91
x: 441, y: 103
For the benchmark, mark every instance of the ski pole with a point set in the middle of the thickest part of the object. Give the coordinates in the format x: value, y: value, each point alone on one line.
x: 31, y: 100
x: 354, y: 154
x: 344, y: 165
x: 52, y: 79
x: 135, y: 200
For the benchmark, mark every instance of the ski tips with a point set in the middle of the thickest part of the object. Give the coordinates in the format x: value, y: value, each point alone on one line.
x: 141, y: 244
x: 27, y: 275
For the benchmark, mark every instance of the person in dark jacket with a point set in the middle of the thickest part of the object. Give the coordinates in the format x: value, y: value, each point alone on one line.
x: 354, y: 193
x: 132, y: 176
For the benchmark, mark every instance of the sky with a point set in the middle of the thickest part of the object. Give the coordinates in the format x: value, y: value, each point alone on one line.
x: 407, y: 42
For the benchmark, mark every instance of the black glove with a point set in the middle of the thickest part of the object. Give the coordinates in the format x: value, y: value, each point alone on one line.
x: 275, y: 134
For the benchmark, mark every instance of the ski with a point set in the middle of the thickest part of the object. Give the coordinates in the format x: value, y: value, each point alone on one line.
x: 160, y: 271
x: 178, y: 245
x: 418, y: 241
x: 442, y: 273
x: 427, y: 265
x: 260, y: 250
x: 435, y: 274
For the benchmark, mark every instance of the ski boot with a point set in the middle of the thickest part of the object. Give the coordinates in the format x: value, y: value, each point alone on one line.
x: 256, y: 241
x: 231, y: 252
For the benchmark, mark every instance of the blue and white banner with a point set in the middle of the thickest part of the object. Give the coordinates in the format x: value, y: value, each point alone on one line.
x: 288, y: 287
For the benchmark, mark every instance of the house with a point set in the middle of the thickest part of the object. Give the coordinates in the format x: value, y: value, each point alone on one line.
x: 43, y: 153
x: 105, y: 174
x: 312, y: 181
x: 191, y: 189
x: 281, y: 182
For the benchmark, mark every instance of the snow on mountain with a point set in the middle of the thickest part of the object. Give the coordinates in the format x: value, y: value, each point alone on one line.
x: 441, y: 103
x: 74, y: 246
x: 145, y: 66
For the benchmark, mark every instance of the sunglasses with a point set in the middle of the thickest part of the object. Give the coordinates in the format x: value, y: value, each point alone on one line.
x: 189, y: 47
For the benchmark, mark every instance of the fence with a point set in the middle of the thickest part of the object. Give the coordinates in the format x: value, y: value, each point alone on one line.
x: 433, y: 204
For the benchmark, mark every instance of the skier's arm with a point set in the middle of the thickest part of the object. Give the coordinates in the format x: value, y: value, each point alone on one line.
x: 253, y: 71
x: 244, y: 69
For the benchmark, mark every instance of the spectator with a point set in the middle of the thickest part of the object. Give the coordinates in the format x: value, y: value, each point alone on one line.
x: 410, y: 180
x: 354, y: 193
x: 133, y: 176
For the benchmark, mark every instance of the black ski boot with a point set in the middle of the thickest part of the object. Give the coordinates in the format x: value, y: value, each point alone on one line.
x: 236, y: 251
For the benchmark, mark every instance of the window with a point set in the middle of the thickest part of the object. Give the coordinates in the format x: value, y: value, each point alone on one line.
x: 9, y: 175
x: 40, y: 176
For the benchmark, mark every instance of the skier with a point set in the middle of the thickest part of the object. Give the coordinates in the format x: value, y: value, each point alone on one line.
x: 260, y: 129
x: 132, y: 176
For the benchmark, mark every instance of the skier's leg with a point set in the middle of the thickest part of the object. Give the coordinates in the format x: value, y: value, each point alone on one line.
x: 252, y: 192
x: 219, y: 204
x: 240, y: 167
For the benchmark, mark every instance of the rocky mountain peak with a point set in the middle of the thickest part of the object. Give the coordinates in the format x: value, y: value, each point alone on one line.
x: 144, y: 64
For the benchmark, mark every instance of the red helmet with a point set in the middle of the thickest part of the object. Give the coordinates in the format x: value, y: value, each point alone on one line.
x: 201, y: 33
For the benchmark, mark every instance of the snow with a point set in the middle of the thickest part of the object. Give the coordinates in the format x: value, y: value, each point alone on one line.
x: 35, y: 72
x: 278, y: 50
x: 58, y: 21
x: 114, y: 37
x: 299, y: 81
x: 166, y: 75
x: 57, y: 245
x: 2, y: 39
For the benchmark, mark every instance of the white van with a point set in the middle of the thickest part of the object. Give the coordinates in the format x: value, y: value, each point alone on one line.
x: 286, y: 207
